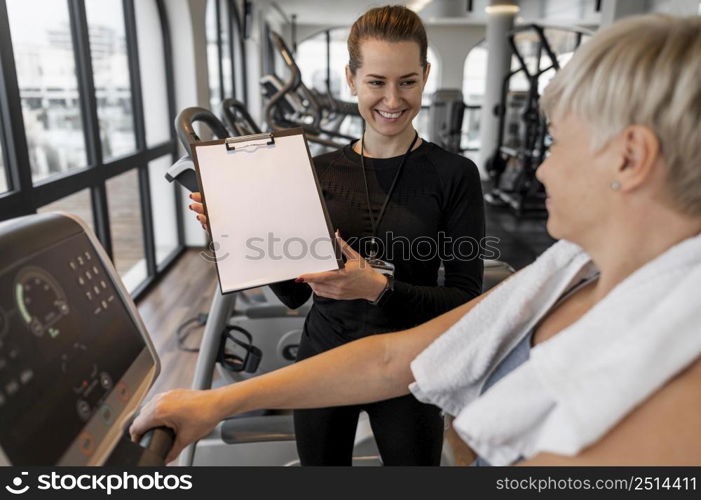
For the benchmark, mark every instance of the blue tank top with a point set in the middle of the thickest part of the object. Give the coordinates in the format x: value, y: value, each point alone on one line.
x: 520, y: 355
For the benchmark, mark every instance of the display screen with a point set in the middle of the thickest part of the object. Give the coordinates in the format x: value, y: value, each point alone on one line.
x: 66, y: 340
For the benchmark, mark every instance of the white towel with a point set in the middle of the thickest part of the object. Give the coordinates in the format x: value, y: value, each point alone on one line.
x: 580, y: 383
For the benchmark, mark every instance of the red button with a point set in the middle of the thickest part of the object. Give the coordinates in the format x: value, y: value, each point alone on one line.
x: 122, y: 392
x: 86, y: 444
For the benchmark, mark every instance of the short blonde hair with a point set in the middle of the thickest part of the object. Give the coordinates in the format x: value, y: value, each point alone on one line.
x: 643, y: 70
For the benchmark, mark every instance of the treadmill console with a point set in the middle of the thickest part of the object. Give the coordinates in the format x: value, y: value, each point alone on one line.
x: 75, y: 359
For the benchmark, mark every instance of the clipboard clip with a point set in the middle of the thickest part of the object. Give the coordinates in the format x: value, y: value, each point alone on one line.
x: 265, y: 139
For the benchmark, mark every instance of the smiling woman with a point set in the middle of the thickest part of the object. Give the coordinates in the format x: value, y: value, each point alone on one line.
x: 389, y: 97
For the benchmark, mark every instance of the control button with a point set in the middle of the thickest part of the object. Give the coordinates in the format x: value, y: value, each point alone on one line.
x: 86, y: 444
x: 96, y: 289
x: 87, y: 256
x: 73, y: 266
x: 12, y: 387
x: 105, y: 380
x: 103, y: 284
x: 88, y: 295
x: 95, y: 270
x: 26, y: 376
x: 104, y: 304
x: 83, y: 410
x: 80, y: 261
x: 122, y: 392
x: 81, y: 281
x: 110, y: 298
x: 106, y: 414
x: 88, y: 275
x: 97, y: 311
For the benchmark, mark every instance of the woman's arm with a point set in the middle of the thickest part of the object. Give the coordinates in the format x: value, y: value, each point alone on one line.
x: 664, y: 430
x: 370, y: 369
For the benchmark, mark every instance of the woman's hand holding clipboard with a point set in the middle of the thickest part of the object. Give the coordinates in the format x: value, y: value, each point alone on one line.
x: 198, y: 208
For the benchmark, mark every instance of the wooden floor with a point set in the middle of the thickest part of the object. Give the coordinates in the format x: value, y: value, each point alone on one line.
x: 184, y: 292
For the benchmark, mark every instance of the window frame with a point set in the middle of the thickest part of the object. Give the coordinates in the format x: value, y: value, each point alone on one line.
x: 25, y: 197
x: 236, y: 49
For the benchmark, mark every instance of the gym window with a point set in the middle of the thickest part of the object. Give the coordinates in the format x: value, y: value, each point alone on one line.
x: 225, y: 52
x: 473, y: 87
x: 86, y: 107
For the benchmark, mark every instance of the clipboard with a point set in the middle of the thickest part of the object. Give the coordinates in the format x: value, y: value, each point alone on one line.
x: 267, y: 219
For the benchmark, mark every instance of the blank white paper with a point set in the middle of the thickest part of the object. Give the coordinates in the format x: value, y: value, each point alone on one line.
x: 265, y: 213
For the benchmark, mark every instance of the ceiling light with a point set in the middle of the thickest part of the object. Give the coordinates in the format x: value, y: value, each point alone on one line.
x: 502, y: 9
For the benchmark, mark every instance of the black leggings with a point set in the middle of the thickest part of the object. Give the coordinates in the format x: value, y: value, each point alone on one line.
x: 407, y: 431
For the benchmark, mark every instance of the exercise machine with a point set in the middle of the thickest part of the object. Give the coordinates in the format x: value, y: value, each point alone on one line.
x: 237, y: 119
x: 523, y: 141
x: 291, y: 104
x: 75, y: 357
x: 445, y: 116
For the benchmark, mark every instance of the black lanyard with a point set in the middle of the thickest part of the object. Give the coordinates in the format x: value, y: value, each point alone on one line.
x: 375, y: 223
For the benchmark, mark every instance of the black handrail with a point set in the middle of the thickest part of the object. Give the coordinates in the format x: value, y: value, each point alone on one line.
x: 184, y: 126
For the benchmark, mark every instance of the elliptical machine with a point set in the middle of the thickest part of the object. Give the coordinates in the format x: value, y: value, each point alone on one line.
x: 291, y: 103
x: 445, y: 116
x: 523, y: 140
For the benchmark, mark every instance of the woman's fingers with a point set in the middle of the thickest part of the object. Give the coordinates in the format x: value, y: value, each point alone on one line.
x: 317, y: 277
x: 346, y: 249
x: 197, y: 207
x: 148, y: 418
x: 191, y: 415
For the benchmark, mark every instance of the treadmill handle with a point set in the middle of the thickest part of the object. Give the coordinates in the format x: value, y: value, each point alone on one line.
x: 158, y: 441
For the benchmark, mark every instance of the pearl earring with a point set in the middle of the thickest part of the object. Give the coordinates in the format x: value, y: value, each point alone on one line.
x: 615, y: 185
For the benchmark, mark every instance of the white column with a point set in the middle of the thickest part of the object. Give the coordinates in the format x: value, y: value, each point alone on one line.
x: 500, y: 20
x: 613, y: 10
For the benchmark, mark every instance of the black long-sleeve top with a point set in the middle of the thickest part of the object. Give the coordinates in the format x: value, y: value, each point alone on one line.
x: 437, y: 200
